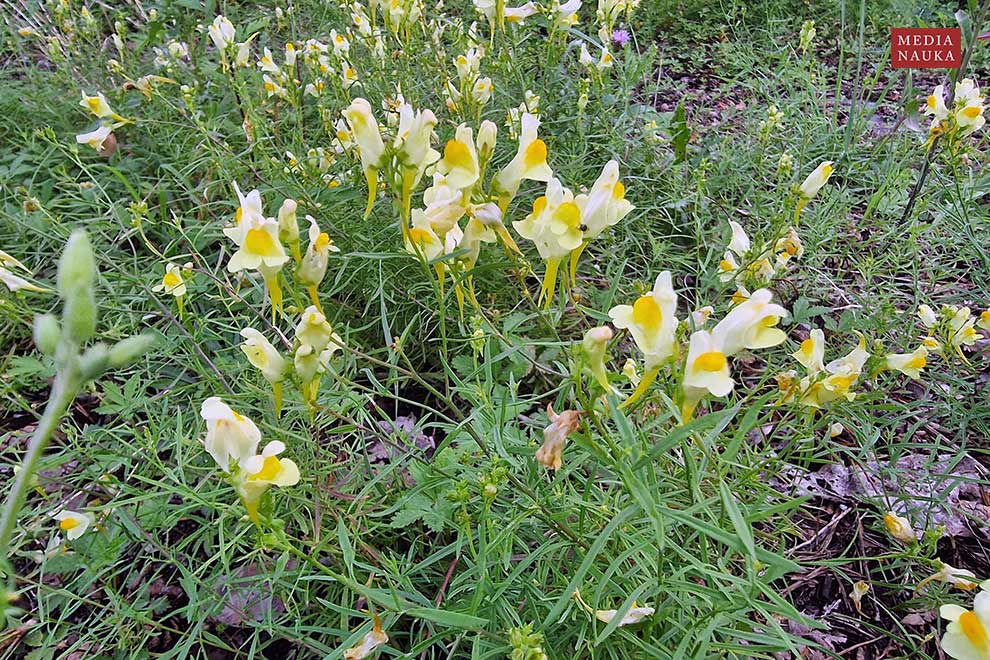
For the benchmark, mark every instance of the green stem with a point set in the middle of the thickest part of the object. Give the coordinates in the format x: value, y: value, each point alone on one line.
x: 63, y: 392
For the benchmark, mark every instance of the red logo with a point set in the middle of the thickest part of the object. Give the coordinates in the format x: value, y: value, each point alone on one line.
x: 925, y: 48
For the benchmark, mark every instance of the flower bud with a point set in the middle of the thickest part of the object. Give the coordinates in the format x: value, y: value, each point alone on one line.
x: 77, y: 267
x: 288, y: 227
x: 46, y: 333
x: 127, y: 350
x: 487, y: 134
x: 94, y: 361
x: 79, y: 316
x: 487, y: 214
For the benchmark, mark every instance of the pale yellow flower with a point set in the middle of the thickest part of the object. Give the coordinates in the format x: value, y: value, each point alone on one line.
x: 909, y: 364
x: 229, y: 435
x: 652, y: 321
x: 967, y: 636
x: 530, y: 162
x: 368, y: 644
x: 818, y: 178
x: 73, y: 524
x: 899, y: 527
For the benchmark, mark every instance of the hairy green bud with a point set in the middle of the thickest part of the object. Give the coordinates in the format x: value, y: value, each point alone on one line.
x: 79, y: 316
x: 77, y: 267
x: 127, y: 350
x: 46, y: 333
x: 94, y: 361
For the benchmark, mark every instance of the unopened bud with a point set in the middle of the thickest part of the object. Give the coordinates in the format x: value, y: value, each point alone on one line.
x: 79, y: 316
x: 127, y: 350
x: 288, y: 227
x: 46, y: 333
x: 487, y: 134
x: 77, y: 267
x: 94, y: 361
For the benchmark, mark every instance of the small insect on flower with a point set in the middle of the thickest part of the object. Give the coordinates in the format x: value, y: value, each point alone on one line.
x: 899, y: 527
x: 551, y: 453
x: 967, y: 636
x: 73, y: 524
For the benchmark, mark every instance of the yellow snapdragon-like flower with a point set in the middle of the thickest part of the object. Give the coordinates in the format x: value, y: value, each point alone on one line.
x: 836, y: 380
x: 12, y: 281
x: 530, y: 162
x: 460, y: 159
x: 706, y: 371
x: 968, y: 106
x: 266, y: 358
x: 602, y: 207
x: 413, y: 151
x: 222, y: 34
x: 595, y: 345
x: 313, y: 266
x: 554, y: 227
x: 899, y: 527
x: 173, y: 283
x: 371, y: 148
x: 259, y: 247
x: 72, y: 523
x: 444, y: 205
x: 811, y: 353
x: 909, y: 364
x: 652, y: 322
x: 967, y: 636
x: 751, y: 324
x: 288, y: 227
x: 229, y: 435
x: 98, y: 105
x: 811, y: 185
x: 962, y: 330
x: 97, y: 139
x: 262, y: 471
x: 635, y: 614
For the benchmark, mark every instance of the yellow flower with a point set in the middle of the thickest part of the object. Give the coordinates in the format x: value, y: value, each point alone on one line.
x: 554, y: 226
x: 909, y: 364
x: 961, y: 326
x: 368, y: 644
x: 899, y: 527
x: 595, y: 344
x: 313, y: 267
x: 229, y: 435
x: 967, y: 636
x: 652, y: 321
x: 222, y: 33
x: 261, y: 472
x: 634, y: 615
x: 422, y: 240
x: 602, y: 207
x: 73, y: 524
x: 811, y: 353
x: 412, y: 147
x: 518, y: 14
x: 98, y: 106
x: 814, y: 182
x: 96, y: 138
x: 751, y: 324
x: 288, y: 226
x: 530, y: 162
x: 706, y: 371
x: 368, y: 137
x: 263, y: 356
x: 314, y: 330
x: 444, y: 205
x: 842, y: 374
x: 550, y: 454
x: 172, y: 282
x: 927, y: 316
x: 17, y: 283
x: 957, y: 577
x: 629, y: 371
x: 739, y: 243
x: 460, y: 159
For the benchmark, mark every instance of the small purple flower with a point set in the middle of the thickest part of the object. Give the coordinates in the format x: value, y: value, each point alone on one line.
x: 620, y: 37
